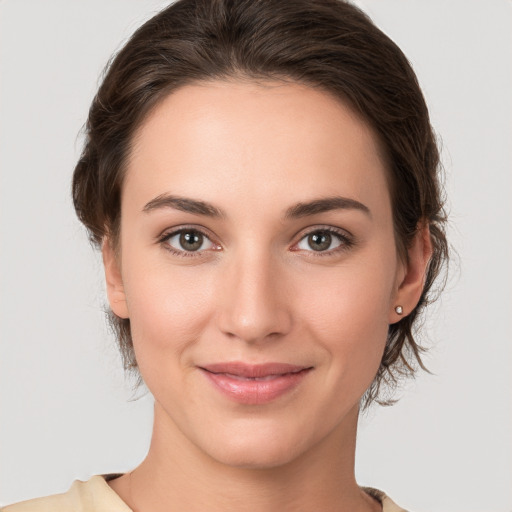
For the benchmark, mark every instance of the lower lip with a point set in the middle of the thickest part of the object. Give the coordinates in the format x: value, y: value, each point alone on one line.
x: 253, y: 391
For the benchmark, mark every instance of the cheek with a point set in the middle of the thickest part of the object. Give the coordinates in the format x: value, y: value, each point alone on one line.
x: 168, y: 307
x: 348, y: 315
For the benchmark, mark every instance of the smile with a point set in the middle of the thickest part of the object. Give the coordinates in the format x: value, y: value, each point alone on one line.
x: 254, y: 384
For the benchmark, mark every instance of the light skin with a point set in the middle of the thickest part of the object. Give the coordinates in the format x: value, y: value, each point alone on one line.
x: 283, y: 190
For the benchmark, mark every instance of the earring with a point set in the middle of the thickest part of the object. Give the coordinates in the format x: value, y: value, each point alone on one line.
x: 399, y: 310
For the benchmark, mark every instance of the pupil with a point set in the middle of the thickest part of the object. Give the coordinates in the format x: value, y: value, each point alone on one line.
x: 319, y: 241
x: 191, y: 241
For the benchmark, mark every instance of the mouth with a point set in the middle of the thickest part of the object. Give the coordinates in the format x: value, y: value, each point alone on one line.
x: 254, y: 384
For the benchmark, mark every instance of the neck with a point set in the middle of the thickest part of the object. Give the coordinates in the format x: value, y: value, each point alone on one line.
x: 176, y: 472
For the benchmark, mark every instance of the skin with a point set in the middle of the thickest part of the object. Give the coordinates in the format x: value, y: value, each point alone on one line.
x: 256, y: 292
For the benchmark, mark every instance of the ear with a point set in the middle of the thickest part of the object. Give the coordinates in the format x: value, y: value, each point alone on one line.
x: 114, y: 281
x: 411, y: 277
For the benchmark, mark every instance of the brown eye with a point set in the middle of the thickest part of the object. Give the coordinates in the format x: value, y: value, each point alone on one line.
x: 322, y: 240
x: 188, y: 240
x: 191, y: 240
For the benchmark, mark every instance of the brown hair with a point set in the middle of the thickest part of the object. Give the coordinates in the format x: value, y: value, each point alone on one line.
x: 322, y: 43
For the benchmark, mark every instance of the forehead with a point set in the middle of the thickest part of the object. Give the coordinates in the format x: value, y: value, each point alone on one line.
x: 254, y: 140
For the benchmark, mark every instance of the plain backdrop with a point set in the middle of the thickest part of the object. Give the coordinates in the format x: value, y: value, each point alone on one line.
x: 66, y: 410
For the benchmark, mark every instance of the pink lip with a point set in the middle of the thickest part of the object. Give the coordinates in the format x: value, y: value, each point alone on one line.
x: 254, y: 384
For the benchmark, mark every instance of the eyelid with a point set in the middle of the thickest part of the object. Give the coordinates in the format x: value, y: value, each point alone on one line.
x: 347, y: 239
x: 168, y: 233
x: 183, y: 227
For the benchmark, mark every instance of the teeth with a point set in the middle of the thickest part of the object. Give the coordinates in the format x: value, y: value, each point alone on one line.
x: 240, y: 377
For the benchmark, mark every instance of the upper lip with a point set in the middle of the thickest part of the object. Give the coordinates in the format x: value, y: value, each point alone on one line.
x: 253, y: 370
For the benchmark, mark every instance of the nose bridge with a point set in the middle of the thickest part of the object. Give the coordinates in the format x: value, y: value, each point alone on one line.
x: 254, y: 305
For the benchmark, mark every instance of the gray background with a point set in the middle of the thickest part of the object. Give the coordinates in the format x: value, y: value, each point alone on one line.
x: 65, y: 407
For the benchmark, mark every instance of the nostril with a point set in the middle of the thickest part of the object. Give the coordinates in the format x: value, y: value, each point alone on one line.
x: 252, y: 304
x: 257, y: 329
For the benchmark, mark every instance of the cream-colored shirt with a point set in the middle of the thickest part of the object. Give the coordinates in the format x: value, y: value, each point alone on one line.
x: 96, y: 495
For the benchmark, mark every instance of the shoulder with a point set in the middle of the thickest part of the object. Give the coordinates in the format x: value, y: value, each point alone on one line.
x: 388, y: 505
x: 55, y: 503
x: 94, y: 495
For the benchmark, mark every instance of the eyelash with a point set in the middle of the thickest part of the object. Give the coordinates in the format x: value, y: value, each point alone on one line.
x: 163, y: 239
x: 346, y: 241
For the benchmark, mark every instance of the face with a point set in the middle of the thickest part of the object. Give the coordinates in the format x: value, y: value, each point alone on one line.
x: 257, y: 266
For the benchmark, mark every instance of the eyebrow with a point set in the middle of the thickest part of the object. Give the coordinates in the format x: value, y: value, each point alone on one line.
x: 294, y: 212
x: 324, y: 205
x: 184, y: 204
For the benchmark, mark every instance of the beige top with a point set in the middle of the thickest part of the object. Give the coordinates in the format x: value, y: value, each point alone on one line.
x: 96, y: 495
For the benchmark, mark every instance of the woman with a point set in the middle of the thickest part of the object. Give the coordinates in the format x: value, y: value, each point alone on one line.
x: 261, y: 178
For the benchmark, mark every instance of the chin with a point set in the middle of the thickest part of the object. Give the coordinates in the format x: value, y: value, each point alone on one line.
x: 260, y: 447
x: 255, y: 457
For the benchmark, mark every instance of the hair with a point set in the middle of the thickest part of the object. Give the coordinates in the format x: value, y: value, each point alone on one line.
x: 327, y: 44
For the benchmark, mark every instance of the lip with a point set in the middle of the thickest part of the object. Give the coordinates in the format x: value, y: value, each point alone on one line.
x: 254, y: 384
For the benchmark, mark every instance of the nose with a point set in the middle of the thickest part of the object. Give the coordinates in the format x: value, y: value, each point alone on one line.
x: 255, y: 303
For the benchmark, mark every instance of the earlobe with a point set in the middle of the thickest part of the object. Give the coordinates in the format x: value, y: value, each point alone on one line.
x: 412, y: 279
x: 114, y: 281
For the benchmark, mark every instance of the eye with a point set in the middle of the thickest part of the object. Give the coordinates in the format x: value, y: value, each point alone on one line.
x: 323, y: 240
x: 187, y: 241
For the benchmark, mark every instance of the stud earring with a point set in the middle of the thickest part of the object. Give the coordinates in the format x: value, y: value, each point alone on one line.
x: 399, y: 310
